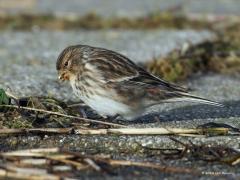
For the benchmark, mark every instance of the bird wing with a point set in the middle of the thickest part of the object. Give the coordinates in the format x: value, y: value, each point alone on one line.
x: 115, y: 67
x: 119, y: 70
x: 111, y: 66
x: 151, y: 80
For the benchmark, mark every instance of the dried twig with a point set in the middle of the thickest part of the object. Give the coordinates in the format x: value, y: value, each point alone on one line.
x: 31, y: 152
x: 66, y: 161
x: 203, y: 152
x: 214, y: 153
x: 32, y: 161
x: 77, y: 105
x: 112, y: 162
x: 166, y: 131
x: 55, y: 157
x: 63, y: 115
x: 120, y: 131
x: 37, y: 131
x: 91, y: 163
x: 236, y: 161
x: 16, y: 175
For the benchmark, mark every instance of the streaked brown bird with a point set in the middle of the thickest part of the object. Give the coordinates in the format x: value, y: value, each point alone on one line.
x: 112, y: 84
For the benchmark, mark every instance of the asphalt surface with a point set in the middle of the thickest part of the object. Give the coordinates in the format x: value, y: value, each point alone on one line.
x: 120, y: 8
x: 27, y: 67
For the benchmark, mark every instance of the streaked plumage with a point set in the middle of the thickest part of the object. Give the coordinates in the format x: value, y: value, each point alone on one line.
x: 112, y: 84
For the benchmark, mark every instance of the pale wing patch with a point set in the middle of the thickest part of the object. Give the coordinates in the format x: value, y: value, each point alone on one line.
x: 90, y: 67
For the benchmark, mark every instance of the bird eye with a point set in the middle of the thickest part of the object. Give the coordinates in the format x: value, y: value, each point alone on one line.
x: 66, y: 64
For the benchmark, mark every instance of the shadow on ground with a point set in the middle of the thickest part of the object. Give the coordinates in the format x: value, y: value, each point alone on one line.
x: 201, y: 111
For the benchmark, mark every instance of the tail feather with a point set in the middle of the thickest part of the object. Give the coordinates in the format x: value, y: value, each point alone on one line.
x: 193, y: 98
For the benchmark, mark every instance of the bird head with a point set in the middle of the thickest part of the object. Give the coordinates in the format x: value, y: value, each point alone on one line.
x: 70, y: 60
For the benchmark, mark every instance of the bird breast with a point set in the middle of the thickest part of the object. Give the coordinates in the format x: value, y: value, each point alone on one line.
x: 97, y: 97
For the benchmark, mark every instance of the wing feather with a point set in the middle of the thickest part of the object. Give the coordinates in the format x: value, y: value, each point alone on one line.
x: 120, y: 69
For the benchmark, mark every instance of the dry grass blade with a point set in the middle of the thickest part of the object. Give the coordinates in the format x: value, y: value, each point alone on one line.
x: 31, y: 152
x: 92, y: 164
x: 120, y: 131
x: 75, y: 164
x: 11, y: 95
x: 4, y: 174
x: 30, y: 171
x: 237, y: 161
x: 32, y: 161
x: 77, y: 105
x: 37, y: 131
x: 63, y: 115
x: 165, y: 131
x: 192, y: 135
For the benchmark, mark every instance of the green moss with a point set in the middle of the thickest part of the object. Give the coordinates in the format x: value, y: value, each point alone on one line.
x: 17, y: 123
x: 220, y: 56
x: 20, y: 118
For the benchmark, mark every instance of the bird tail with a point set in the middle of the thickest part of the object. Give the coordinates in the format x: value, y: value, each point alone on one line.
x: 192, y: 98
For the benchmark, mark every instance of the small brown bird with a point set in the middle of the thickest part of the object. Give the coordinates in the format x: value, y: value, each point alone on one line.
x: 112, y: 84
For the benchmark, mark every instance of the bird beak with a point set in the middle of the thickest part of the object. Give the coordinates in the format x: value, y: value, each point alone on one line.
x: 60, y: 77
x: 63, y: 76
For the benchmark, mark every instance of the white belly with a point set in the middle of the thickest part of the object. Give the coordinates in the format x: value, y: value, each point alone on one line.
x: 106, y: 106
